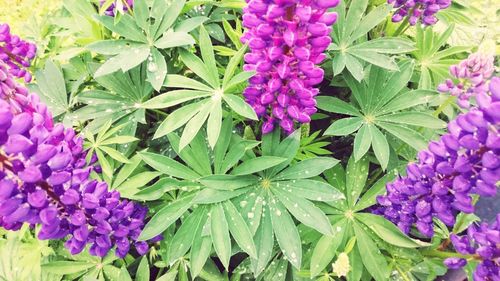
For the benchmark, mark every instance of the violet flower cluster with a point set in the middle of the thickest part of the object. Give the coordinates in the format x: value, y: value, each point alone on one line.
x: 16, y: 53
x: 45, y: 180
x: 481, y: 243
x: 418, y: 10
x: 471, y: 76
x: 287, y: 39
x: 463, y: 162
x: 120, y: 6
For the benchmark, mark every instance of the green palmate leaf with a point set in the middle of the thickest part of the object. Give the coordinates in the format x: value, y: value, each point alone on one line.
x: 220, y: 234
x: 304, y: 211
x: 371, y: 256
x: 126, y: 27
x: 240, y: 106
x: 411, y: 137
x: 370, y: 197
x: 388, y: 231
x: 125, y: 60
x: 232, y: 67
x: 257, y: 164
x: 286, y: 233
x: 174, y: 98
x: 356, y: 265
x: 179, y: 81
x: 168, y: 166
x: 239, y: 229
x: 325, y: 249
x: 186, y: 234
x: 195, y: 155
x: 52, y: 88
x: 199, y: 253
x: 157, y: 69
x: 362, y: 141
x: 165, y: 217
x: 386, y: 45
x: 344, y: 126
x: 113, y: 153
x: 375, y: 59
x: 370, y: 21
x: 143, y: 270
x: 336, y: 105
x: 207, y: 53
x: 124, y: 275
x: 156, y: 191
x: 264, y: 241
x: 190, y: 24
x: 414, y: 118
x: 132, y: 185
x: 173, y: 39
x: 194, y: 125
x: 178, y: 118
x: 228, y: 182
x: 112, y: 47
x: 356, y: 175
x: 196, y: 65
x: 311, y: 189
x: 307, y: 168
x: 355, y: 67
x: 380, y: 146
x: 67, y: 267
x: 408, y: 100
x: 211, y: 196
x: 214, y: 123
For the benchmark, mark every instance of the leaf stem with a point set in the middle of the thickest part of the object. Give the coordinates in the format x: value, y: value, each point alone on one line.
x: 160, y: 112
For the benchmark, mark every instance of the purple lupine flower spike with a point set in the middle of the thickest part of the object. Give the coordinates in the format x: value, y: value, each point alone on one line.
x: 119, y: 6
x: 463, y: 162
x: 470, y: 77
x: 483, y: 244
x: 423, y: 11
x: 45, y: 180
x: 287, y: 39
x: 16, y: 53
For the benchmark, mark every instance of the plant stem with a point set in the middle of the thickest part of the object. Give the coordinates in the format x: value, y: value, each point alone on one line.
x: 442, y: 254
x: 402, y: 28
x: 160, y: 112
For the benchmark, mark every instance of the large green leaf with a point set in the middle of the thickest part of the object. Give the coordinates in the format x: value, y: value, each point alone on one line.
x: 165, y: 217
x: 371, y: 256
x: 286, y: 233
x: 220, y: 234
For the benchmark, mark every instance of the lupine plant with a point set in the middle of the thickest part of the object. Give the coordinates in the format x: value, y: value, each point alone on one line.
x: 249, y: 140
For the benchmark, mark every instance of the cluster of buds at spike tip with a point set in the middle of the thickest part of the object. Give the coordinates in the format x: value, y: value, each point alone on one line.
x: 45, y: 180
x: 464, y: 161
x: 118, y: 6
x: 287, y: 39
x: 418, y: 10
x: 482, y: 243
x: 469, y: 77
x: 16, y: 53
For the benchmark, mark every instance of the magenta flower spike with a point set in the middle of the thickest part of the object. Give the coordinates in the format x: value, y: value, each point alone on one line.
x: 423, y: 11
x: 16, y: 53
x: 287, y: 39
x: 463, y: 162
x: 45, y: 180
x: 483, y: 244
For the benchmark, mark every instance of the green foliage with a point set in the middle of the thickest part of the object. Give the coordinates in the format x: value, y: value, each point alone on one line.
x: 241, y: 195
x: 382, y: 101
x: 154, y: 92
x: 351, y: 50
